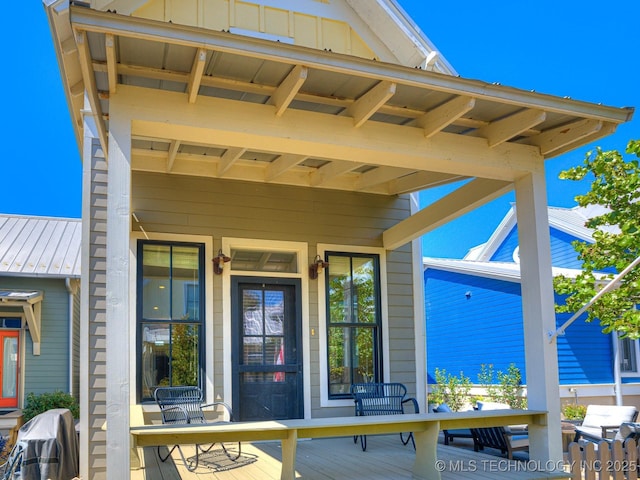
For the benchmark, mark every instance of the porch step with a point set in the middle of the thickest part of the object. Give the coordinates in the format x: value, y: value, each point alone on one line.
x: 10, y: 420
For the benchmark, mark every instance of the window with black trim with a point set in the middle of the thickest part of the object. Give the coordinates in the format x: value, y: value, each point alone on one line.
x: 353, y: 321
x: 170, y: 314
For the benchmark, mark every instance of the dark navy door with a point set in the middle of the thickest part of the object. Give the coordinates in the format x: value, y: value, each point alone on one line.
x: 267, y: 359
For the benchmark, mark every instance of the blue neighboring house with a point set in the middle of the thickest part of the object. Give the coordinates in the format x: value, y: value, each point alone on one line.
x: 474, y: 315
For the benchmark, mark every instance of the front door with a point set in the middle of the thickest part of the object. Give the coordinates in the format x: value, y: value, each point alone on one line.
x: 9, y: 368
x: 267, y: 365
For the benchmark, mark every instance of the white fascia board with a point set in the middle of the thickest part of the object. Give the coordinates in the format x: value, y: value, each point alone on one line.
x: 509, y: 272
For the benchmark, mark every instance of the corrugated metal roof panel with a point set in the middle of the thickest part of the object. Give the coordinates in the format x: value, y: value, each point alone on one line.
x: 40, y: 246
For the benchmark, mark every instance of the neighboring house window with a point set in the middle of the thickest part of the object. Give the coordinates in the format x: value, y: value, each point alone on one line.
x: 354, y: 321
x: 170, y: 313
x: 628, y: 351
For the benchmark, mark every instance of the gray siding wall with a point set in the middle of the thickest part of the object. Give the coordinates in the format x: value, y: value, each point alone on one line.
x: 48, y: 371
x: 75, y: 348
x: 201, y: 206
x: 96, y: 289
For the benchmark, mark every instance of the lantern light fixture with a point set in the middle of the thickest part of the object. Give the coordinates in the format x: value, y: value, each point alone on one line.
x: 316, y: 267
x: 219, y: 261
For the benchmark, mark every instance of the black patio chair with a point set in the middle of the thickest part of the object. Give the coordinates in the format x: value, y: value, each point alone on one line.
x: 381, y: 399
x: 183, y: 405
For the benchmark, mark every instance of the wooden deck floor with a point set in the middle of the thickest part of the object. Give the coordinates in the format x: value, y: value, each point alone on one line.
x: 339, y: 459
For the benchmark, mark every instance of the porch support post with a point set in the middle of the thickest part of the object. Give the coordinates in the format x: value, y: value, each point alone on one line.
x: 541, y: 356
x: 118, y: 294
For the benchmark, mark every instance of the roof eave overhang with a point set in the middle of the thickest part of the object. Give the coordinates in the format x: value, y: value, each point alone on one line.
x: 83, y: 18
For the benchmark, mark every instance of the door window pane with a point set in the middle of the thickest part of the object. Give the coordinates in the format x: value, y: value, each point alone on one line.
x: 9, y: 367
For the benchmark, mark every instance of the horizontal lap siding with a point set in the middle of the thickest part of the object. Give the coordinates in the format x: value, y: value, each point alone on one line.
x: 48, y: 371
x: 201, y: 206
x: 491, y: 319
x: 96, y: 386
x: 464, y: 333
x: 584, y: 352
x: 562, y: 252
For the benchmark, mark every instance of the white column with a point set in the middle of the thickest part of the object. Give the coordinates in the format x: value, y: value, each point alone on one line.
x: 541, y: 356
x: 118, y: 294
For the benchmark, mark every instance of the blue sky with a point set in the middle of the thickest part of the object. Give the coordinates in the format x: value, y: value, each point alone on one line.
x: 587, y: 53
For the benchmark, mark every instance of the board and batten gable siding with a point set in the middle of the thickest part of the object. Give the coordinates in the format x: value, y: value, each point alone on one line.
x: 93, y: 395
x: 200, y: 206
x: 491, y: 319
x: 48, y: 371
x: 312, y: 24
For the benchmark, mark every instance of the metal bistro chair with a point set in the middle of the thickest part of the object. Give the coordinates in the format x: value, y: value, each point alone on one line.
x: 381, y: 399
x: 183, y: 405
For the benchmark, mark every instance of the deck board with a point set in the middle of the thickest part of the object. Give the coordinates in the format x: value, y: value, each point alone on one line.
x: 341, y: 459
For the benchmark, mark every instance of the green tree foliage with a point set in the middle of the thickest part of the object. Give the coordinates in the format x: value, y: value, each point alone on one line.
x: 615, y: 185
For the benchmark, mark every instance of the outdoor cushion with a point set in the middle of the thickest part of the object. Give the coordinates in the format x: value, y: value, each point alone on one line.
x: 602, y: 419
x: 492, y: 406
x: 457, y: 432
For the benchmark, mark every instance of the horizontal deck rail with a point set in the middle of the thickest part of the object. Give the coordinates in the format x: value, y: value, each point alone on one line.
x: 425, y: 428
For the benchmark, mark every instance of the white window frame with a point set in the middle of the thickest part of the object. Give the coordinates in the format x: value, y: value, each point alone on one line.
x: 302, y: 251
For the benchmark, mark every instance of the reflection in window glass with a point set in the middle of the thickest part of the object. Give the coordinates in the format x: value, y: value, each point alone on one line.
x: 171, y: 315
x: 353, y: 311
x: 628, y: 360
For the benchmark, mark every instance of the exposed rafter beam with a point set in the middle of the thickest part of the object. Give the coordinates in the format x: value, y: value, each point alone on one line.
x: 507, y: 128
x: 607, y: 129
x: 466, y: 198
x: 112, y: 67
x: 32, y: 313
x: 135, y: 27
x: 369, y: 103
x: 421, y: 180
x: 281, y: 165
x: 379, y: 175
x: 228, y: 158
x: 440, y: 117
x: 288, y: 89
x: 268, y: 90
x: 195, y: 77
x: 173, y: 151
x: 331, y: 170
x: 89, y: 78
x: 217, y: 121
x: 556, y: 138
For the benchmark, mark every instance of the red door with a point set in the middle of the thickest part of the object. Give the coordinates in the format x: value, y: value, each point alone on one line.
x: 9, y: 356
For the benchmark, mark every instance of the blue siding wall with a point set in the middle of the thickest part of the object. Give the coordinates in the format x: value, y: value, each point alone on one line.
x: 562, y: 252
x: 504, y: 253
x: 486, y: 328
x: 464, y: 333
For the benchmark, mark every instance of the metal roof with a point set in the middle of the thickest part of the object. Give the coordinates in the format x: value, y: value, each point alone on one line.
x: 569, y: 220
x: 509, y: 272
x: 458, y: 117
x: 39, y: 246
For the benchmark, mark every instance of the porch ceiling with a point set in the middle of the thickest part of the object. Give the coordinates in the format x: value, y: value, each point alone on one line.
x: 392, y: 129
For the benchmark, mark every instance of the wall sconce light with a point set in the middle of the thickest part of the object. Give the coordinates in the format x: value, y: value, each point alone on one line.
x: 316, y: 267
x: 219, y: 261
